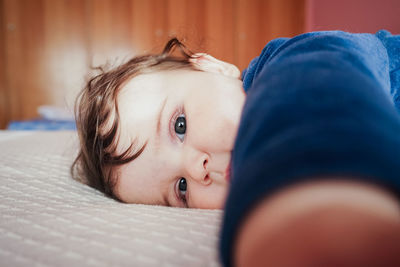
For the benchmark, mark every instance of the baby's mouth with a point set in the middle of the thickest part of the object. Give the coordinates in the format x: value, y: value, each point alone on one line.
x: 228, y: 172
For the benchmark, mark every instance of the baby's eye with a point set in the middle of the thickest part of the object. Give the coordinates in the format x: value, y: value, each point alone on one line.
x: 182, y: 189
x: 180, y: 127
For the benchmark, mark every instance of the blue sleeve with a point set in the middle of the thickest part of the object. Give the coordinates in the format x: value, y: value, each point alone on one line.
x: 321, y: 104
x: 392, y: 45
x: 256, y: 65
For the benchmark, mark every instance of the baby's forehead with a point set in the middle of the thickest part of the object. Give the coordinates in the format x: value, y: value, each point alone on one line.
x: 155, y: 84
x: 142, y: 84
x: 139, y: 103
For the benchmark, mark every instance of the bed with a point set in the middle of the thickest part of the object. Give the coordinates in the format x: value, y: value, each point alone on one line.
x: 48, y: 219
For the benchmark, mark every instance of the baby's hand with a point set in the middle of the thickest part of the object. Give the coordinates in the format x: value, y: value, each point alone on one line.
x: 326, y: 223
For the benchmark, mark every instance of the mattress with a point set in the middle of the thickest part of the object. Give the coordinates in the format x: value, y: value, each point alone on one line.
x: 49, y: 219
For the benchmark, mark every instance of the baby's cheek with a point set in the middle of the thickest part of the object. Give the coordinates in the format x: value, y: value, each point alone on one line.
x: 213, y: 124
x: 210, y: 197
x: 214, y: 135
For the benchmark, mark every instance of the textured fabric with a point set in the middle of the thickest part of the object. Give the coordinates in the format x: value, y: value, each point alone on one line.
x: 385, y: 58
x: 392, y: 45
x: 318, y: 104
x: 48, y: 219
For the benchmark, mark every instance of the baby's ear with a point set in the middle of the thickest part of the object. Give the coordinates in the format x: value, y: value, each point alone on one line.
x: 208, y: 63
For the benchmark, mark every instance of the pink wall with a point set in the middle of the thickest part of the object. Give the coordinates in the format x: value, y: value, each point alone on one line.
x: 353, y: 15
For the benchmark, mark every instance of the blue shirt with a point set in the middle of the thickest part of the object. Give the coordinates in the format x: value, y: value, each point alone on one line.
x: 322, y: 103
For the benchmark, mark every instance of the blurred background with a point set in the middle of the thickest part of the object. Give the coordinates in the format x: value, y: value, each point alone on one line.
x: 47, y: 47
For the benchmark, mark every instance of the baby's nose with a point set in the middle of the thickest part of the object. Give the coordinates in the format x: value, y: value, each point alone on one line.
x: 196, y: 165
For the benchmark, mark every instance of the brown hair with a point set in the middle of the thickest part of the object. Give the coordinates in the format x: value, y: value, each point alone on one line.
x: 97, y: 117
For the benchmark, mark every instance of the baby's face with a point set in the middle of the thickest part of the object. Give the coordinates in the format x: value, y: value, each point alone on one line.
x: 189, y: 120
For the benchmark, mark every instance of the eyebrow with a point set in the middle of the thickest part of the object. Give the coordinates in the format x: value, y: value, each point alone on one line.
x: 157, y: 146
x: 166, y: 200
x: 158, y: 130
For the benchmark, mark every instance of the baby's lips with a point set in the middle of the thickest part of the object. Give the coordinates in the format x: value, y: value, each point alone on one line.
x: 228, y: 173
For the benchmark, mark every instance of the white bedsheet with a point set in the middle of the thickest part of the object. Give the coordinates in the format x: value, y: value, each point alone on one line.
x: 48, y: 219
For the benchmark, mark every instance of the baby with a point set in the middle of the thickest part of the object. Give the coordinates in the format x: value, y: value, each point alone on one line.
x: 160, y: 129
x: 179, y: 130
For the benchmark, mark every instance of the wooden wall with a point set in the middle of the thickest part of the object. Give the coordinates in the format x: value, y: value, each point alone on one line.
x: 3, y: 96
x: 48, y: 46
x: 355, y: 15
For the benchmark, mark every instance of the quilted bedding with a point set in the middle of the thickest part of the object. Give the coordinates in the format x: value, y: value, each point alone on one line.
x: 48, y: 219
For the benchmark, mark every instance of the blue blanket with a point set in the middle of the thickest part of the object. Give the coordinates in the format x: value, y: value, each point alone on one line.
x: 322, y: 103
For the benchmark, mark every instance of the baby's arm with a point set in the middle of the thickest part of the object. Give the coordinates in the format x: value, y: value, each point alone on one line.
x: 322, y: 223
x: 320, y: 107
x: 392, y: 45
